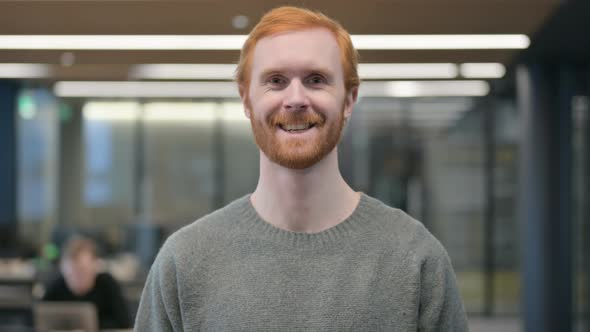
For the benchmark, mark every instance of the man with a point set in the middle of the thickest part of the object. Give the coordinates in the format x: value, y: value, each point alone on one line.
x: 81, y: 281
x: 304, y: 251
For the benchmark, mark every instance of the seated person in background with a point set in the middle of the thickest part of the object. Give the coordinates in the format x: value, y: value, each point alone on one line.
x: 80, y: 280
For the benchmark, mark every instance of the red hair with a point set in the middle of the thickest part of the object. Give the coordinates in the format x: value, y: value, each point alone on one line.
x: 286, y: 19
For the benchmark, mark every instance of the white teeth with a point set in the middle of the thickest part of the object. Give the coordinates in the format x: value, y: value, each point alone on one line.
x: 301, y: 126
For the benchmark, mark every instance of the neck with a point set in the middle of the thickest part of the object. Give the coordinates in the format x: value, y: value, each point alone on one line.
x: 307, y: 201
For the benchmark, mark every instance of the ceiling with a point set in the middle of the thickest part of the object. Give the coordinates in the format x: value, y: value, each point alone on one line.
x: 215, y: 17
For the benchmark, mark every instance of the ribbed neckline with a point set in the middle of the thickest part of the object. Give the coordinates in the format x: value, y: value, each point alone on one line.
x: 354, y: 224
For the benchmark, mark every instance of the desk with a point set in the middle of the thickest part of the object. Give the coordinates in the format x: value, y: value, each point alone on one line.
x: 16, y: 299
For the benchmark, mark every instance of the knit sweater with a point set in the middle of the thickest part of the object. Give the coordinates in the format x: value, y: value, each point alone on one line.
x: 378, y: 270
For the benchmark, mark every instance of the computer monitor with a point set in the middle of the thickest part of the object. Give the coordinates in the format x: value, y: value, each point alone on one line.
x: 62, y: 316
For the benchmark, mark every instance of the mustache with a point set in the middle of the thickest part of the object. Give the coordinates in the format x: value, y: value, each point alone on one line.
x: 281, y: 118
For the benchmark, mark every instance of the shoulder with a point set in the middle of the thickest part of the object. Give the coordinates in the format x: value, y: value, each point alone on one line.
x: 208, y: 232
x: 409, y: 234
x: 105, y: 278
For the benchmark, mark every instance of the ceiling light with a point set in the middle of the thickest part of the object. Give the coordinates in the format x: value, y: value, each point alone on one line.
x: 482, y: 70
x: 24, y: 70
x: 184, y: 71
x: 367, y: 71
x: 240, y: 22
x: 124, y: 89
x: 122, y: 42
x: 111, y: 111
x: 182, y: 112
x: 226, y: 71
x: 407, y: 70
x: 235, y: 42
x: 424, y: 88
x: 439, y: 42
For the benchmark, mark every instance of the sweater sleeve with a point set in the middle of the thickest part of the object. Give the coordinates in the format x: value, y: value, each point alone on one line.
x: 441, y: 307
x: 159, y: 308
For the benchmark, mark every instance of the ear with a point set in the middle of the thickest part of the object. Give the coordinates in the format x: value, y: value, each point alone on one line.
x: 245, y: 101
x: 350, y: 101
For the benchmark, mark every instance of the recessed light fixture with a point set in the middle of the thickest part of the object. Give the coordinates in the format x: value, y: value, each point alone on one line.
x: 240, y: 22
x: 67, y: 59
x: 24, y: 70
x: 235, y: 42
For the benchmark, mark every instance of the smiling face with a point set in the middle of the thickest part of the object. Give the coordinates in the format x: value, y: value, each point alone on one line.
x: 296, y: 100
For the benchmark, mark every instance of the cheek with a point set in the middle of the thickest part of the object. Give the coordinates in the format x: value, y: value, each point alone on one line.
x: 260, y: 107
x: 328, y: 104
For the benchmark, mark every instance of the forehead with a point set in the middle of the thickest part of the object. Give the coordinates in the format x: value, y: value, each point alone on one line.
x: 82, y: 255
x: 312, y: 48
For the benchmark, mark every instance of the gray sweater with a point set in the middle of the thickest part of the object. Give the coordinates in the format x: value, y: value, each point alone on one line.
x: 379, y: 270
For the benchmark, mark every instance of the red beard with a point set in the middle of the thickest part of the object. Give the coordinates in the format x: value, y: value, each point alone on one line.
x: 296, y: 152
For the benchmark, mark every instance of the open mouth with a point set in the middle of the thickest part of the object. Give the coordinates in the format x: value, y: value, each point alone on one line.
x: 296, y: 128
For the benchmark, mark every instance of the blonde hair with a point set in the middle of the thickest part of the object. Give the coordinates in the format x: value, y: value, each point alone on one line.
x: 285, y: 19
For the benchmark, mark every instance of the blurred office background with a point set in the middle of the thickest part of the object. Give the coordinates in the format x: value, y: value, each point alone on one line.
x: 483, y: 136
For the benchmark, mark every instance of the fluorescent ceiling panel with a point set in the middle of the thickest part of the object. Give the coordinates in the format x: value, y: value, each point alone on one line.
x: 407, y: 70
x: 439, y: 42
x: 226, y: 71
x: 235, y: 42
x: 111, y: 111
x: 184, y: 71
x: 367, y: 71
x: 403, y: 89
x: 24, y: 70
x: 482, y: 70
x: 180, y: 112
x: 190, y: 113
x: 122, y: 42
x: 124, y: 89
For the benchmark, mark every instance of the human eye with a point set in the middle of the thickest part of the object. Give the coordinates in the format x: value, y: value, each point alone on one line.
x: 316, y: 79
x: 276, y: 82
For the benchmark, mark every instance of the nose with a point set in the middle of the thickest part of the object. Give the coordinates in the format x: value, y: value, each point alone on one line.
x: 296, y: 98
